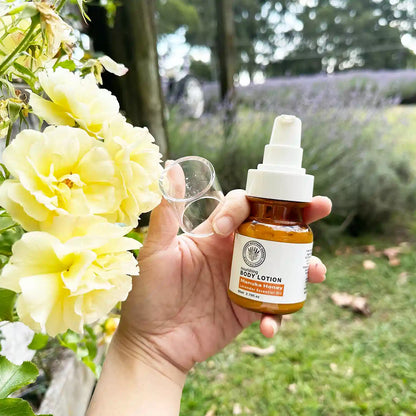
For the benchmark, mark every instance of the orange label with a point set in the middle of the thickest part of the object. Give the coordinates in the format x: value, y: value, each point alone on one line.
x: 263, y: 288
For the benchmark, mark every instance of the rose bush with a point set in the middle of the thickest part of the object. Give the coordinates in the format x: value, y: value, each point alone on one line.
x: 70, y: 192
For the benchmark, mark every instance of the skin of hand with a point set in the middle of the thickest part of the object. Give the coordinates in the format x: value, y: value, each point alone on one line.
x: 178, y: 312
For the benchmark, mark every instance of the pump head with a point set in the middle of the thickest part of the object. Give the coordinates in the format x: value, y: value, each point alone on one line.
x: 281, y: 175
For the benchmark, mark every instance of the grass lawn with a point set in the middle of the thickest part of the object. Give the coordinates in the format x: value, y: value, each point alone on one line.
x: 328, y: 360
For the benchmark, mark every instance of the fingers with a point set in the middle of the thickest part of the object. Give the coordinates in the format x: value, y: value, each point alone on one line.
x: 270, y: 325
x: 231, y: 214
x: 173, y: 180
x: 317, y: 270
x: 236, y: 209
x: 319, y: 208
x: 163, y: 225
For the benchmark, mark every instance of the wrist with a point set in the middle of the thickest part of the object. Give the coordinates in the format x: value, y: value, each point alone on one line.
x: 136, y: 381
x: 139, y: 351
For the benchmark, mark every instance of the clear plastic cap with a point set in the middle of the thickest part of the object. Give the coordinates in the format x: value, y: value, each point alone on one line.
x: 281, y: 175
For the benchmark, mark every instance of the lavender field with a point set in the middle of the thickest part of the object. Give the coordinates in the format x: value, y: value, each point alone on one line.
x: 399, y: 85
x: 358, y: 141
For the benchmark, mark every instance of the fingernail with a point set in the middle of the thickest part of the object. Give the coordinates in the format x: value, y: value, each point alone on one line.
x: 318, y: 263
x: 325, y: 197
x: 275, y: 326
x: 223, y: 225
x: 319, y: 266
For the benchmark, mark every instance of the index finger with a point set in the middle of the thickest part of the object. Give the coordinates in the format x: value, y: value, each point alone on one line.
x: 319, y: 207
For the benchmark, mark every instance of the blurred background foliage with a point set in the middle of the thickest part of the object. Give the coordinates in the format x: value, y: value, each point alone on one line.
x: 346, y: 68
x: 353, y: 143
x: 299, y: 37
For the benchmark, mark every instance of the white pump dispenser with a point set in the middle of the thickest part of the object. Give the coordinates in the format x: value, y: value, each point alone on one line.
x: 281, y: 175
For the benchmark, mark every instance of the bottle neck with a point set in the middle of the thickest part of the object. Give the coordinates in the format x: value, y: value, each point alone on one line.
x: 272, y: 210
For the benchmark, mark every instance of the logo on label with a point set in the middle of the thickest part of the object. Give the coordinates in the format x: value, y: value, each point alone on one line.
x: 254, y: 253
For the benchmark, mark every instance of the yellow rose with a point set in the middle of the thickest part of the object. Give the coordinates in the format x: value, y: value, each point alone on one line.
x: 59, y: 171
x: 74, y: 101
x: 137, y: 161
x: 71, y: 276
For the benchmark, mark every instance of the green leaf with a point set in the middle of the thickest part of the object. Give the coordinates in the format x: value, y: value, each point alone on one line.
x: 96, y: 369
x: 81, y: 351
x: 16, y: 407
x: 84, y: 346
x: 13, y: 377
x: 5, y: 174
x: 136, y: 236
x: 70, y: 338
x: 81, y: 9
x: 90, y: 332
x: 10, y: 236
x: 22, y: 69
x: 38, y: 342
x: 25, y: 11
x: 7, y: 301
x: 68, y: 64
x: 92, y: 349
x: 14, y: 110
x: 8, y: 86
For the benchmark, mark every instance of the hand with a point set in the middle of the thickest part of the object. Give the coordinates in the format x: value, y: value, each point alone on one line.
x: 178, y: 311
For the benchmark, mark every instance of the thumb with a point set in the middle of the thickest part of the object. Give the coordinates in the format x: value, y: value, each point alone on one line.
x: 163, y: 225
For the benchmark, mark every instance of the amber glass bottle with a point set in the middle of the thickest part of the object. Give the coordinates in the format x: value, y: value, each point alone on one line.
x: 275, y: 221
x: 272, y: 248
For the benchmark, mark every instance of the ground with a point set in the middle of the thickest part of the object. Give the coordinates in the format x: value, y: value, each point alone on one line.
x: 328, y: 360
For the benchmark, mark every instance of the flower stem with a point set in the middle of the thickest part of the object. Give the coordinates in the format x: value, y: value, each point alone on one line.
x: 20, y: 47
x: 7, y: 228
x: 9, y: 134
x: 61, y: 4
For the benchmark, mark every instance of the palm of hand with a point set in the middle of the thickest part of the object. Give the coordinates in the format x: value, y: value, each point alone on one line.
x: 184, y: 310
x: 179, y: 308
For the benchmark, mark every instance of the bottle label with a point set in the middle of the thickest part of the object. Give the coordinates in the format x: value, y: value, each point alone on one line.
x: 270, y: 271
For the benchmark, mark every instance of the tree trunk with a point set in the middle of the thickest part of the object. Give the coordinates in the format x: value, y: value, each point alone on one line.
x: 132, y: 41
x: 226, y: 59
x: 226, y: 47
x: 251, y: 64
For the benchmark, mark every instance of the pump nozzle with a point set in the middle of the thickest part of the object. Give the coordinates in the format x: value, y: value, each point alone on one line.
x: 286, y: 130
x: 281, y: 175
x: 284, y: 153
